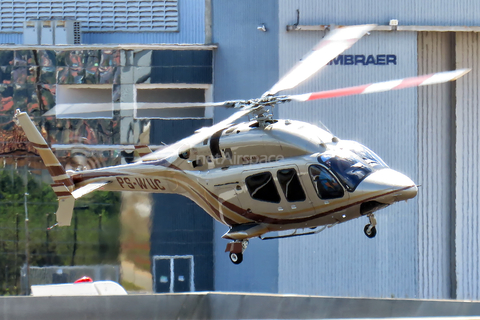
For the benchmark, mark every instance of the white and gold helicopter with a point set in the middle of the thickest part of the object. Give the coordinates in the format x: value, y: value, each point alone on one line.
x: 261, y: 176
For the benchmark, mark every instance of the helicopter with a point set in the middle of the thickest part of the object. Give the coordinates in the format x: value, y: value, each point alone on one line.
x: 263, y: 177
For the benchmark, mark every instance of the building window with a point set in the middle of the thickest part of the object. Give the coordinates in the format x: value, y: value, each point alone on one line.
x: 94, y: 15
x: 262, y: 187
x: 84, y: 102
x: 291, y: 187
x: 325, y: 184
x: 171, y: 101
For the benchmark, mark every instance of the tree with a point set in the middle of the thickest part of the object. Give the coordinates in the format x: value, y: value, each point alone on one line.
x: 93, y: 237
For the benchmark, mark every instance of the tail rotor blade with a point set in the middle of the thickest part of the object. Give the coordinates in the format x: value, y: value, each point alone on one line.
x: 337, y: 41
x: 428, y: 79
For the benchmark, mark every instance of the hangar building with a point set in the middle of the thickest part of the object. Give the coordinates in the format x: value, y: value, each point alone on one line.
x: 218, y: 50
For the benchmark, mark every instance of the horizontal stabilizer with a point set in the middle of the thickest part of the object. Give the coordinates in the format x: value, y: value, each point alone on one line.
x: 80, y: 192
x: 65, y: 210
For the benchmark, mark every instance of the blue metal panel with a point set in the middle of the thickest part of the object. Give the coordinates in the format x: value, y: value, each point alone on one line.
x: 191, y: 29
x: 245, y: 66
x: 246, y: 62
x: 342, y: 261
x: 179, y: 226
x: 11, y: 38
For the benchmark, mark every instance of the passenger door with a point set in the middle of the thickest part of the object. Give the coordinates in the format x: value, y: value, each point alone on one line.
x: 324, y: 189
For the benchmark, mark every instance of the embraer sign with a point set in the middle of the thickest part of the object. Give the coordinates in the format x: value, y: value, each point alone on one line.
x: 364, y: 60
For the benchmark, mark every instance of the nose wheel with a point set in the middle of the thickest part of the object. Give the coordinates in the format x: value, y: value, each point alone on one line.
x: 236, y: 250
x: 370, y: 230
x: 236, y: 258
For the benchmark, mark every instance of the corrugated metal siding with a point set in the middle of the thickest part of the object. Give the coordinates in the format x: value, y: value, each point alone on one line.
x: 94, y: 15
x: 195, y: 36
x: 245, y: 66
x: 467, y: 242
x: 341, y: 261
x: 191, y: 29
x: 435, y: 167
x: 11, y: 38
x: 408, y: 12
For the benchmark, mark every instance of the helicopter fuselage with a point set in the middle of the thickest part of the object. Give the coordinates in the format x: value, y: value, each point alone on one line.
x: 295, y: 175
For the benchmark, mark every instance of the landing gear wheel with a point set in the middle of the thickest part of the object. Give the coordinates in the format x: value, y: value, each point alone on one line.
x: 236, y: 258
x: 370, y: 231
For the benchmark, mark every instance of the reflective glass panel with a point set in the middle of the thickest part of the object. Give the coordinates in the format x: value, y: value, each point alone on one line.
x: 262, y: 187
x: 291, y: 187
x: 326, y: 186
x: 347, y: 166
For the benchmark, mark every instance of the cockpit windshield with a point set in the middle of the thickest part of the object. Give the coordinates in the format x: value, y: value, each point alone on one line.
x: 347, y: 166
x: 367, y: 155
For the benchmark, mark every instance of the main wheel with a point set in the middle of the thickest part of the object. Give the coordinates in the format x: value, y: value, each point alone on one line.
x: 372, y: 233
x: 236, y: 258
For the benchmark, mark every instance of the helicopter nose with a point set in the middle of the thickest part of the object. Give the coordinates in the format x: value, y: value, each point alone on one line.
x: 391, y: 185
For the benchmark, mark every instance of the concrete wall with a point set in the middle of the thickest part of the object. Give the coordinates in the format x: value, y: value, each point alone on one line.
x: 225, y: 306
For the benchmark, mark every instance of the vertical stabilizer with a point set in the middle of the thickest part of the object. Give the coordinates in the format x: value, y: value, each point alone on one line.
x: 63, y: 184
x: 143, y: 150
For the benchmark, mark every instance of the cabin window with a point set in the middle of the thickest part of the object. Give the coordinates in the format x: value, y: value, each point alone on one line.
x: 262, y: 187
x: 325, y: 184
x: 291, y: 187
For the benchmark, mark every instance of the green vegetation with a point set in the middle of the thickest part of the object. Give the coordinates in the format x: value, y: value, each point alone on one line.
x: 93, y: 237
x: 130, y: 287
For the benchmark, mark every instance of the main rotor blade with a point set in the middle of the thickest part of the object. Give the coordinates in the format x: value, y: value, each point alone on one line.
x: 337, y: 41
x: 201, y: 135
x: 383, y: 86
x: 75, y: 110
